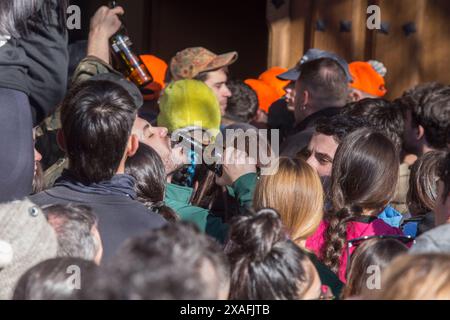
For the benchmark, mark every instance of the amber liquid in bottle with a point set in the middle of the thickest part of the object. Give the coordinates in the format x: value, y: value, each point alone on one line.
x: 132, y: 65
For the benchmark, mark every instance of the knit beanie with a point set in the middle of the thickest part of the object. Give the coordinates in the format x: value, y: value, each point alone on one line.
x: 267, y: 95
x: 26, y: 239
x: 188, y: 103
x: 270, y: 77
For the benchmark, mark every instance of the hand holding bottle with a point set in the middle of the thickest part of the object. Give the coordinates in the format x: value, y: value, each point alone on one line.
x: 104, y: 24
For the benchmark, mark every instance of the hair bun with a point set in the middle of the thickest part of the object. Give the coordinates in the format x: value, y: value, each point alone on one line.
x: 6, y: 254
x: 257, y: 234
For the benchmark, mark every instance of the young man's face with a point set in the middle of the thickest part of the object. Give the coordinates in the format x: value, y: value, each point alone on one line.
x: 158, y: 139
x: 321, y: 151
x: 217, y: 82
x: 442, y: 207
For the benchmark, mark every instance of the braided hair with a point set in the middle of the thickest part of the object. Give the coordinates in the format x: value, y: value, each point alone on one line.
x: 364, y: 178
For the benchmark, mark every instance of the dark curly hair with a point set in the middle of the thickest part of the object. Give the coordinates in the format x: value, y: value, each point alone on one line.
x: 380, y: 115
x: 430, y: 108
x: 339, y: 126
x: 243, y: 103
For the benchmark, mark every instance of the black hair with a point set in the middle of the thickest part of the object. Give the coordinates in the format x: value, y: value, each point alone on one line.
x: 326, y: 82
x: 51, y: 279
x: 381, y: 115
x: 17, y: 16
x: 434, y: 117
x: 364, y: 176
x: 73, y: 226
x: 243, y: 103
x: 175, y: 262
x: 147, y: 168
x: 96, y: 121
x: 430, y: 107
x: 339, y: 126
x: 265, y: 264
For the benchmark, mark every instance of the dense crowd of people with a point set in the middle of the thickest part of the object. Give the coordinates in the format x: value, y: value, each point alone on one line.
x: 323, y: 190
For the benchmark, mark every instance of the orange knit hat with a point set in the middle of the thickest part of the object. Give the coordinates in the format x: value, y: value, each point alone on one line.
x: 270, y: 77
x: 266, y: 94
x: 158, y: 69
x: 366, y: 79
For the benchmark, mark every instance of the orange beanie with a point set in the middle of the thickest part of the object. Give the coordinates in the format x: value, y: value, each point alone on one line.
x: 366, y: 79
x: 270, y: 77
x: 266, y: 94
x: 157, y: 68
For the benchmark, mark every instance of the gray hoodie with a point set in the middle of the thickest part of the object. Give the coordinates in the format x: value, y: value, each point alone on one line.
x: 436, y: 240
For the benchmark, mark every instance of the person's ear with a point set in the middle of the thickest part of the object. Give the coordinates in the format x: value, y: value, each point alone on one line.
x: 306, y: 98
x: 355, y: 95
x: 133, y: 145
x: 420, y: 132
x: 60, y: 140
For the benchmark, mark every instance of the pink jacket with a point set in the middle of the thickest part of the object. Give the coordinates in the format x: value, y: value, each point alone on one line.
x: 316, y: 242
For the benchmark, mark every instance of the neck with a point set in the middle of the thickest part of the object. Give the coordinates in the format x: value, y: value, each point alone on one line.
x: 301, y: 243
x: 425, y: 149
x: 370, y: 213
x: 121, y: 169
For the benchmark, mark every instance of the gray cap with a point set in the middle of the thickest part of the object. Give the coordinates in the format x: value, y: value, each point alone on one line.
x: 311, y: 55
x: 436, y: 240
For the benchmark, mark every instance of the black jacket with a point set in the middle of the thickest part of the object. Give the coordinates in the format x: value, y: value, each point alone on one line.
x: 37, y: 64
x: 120, y: 217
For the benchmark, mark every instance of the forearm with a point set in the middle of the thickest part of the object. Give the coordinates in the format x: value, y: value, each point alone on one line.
x: 98, y: 45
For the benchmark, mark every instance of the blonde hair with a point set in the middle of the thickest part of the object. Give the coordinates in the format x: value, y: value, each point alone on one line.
x: 416, y: 277
x: 295, y: 191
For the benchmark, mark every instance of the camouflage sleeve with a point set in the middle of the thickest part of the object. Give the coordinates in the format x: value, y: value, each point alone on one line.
x: 89, y: 67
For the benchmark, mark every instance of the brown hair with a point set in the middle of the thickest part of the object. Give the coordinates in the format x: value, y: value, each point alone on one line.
x: 415, y: 277
x: 373, y: 252
x: 296, y: 193
x: 422, y: 192
x: 364, y: 177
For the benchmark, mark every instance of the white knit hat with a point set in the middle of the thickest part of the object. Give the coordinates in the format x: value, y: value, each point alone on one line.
x: 25, y: 240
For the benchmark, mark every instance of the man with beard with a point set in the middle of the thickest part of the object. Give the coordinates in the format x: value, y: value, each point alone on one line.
x: 329, y: 132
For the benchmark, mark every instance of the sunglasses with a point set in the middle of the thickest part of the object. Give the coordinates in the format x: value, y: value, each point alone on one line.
x: 357, y: 241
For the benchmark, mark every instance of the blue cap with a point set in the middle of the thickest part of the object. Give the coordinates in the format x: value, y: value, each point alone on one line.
x: 311, y: 55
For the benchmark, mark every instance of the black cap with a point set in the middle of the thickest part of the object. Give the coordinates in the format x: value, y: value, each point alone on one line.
x: 311, y: 55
